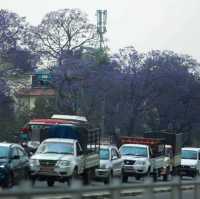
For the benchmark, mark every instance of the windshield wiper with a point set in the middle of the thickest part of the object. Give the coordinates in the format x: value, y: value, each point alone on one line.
x: 140, y: 155
x: 128, y: 154
x: 65, y: 153
x: 52, y: 152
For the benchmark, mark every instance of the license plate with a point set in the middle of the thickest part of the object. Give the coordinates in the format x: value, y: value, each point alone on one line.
x: 46, y: 169
x: 183, y: 173
x: 129, y: 168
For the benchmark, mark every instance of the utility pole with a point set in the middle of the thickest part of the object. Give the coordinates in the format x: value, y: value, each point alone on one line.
x: 101, y: 26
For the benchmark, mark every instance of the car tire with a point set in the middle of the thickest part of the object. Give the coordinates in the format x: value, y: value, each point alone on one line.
x: 137, y: 177
x: 155, y: 176
x: 165, y: 177
x: 73, y: 177
x: 87, y: 177
x: 10, y: 181
x: 124, y: 178
x: 50, y: 183
x: 108, y: 179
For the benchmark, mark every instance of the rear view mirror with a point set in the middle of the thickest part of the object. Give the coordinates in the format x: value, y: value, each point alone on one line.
x: 114, y: 157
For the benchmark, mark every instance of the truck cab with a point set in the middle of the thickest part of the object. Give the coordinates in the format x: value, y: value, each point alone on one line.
x: 190, y: 161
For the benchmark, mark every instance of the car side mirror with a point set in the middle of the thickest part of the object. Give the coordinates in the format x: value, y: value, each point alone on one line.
x: 114, y: 157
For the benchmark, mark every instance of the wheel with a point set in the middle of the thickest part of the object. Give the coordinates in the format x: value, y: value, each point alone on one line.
x: 108, y: 179
x: 87, y: 177
x: 9, y: 182
x: 195, y: 174
x: 73, y: 177
x: 26, y: 175
x: 165, y: 177
x: 33, y: 182
x: 124, y: 178
x: 50, y: 183
x: 155, y: 176
x: 137, y: 177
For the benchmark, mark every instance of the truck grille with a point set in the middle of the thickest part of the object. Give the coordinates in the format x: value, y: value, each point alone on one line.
x: 49, y: 163
x: 129, y: 162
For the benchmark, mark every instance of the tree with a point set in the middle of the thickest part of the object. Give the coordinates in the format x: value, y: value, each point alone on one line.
x: 134, y: 90
x: 174, y: 84
x: 13, y: 50
x: 85, y: 85
x: 44, y: 108
x: 11, y: 30
x: 63, y: 31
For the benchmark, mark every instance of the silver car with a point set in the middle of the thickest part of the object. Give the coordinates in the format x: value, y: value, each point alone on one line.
x: 110, y: 163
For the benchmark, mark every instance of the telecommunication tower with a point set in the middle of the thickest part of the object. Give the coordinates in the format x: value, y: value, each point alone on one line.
x: 101, y: 26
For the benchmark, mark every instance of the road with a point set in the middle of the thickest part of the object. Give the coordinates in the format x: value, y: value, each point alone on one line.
x: 187, y: 194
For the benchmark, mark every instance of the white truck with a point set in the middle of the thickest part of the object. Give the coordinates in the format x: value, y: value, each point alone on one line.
x: 190, y: 161
x: 70, y: 149
x: 59, y: 159
x: 143, y: 157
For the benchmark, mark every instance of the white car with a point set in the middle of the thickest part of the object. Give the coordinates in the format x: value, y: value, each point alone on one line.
x: 190, y: 161
x: 110, y: 163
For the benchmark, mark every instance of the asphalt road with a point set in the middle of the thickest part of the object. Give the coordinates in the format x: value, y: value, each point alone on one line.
x: 187, y: 194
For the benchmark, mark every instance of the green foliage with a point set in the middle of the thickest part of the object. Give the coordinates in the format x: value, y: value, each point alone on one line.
x: 44, y: 108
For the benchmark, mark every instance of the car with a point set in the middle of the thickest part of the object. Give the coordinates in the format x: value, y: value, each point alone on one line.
x: 110, y: 163
x: 14, y: 164
x: 190, y: 161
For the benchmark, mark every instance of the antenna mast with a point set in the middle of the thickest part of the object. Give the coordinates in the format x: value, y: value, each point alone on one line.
x: 101, y: 26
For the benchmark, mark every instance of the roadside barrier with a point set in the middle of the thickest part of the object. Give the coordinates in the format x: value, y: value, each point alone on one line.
x: 116, y: 190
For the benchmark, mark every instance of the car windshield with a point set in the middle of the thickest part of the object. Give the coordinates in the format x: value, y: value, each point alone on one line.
x: 4, y: 152
x: 104, y: 154
x: 189, y: 154
x: 134, y: 151
x: 56, y: 147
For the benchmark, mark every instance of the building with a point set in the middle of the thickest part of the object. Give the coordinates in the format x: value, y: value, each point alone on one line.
x: 40, y: 87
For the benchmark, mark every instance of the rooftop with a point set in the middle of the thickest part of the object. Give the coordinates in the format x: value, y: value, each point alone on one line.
x: 36, y: 92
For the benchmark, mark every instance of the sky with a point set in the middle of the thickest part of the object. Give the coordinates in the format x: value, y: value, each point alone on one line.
x: 144, y: 24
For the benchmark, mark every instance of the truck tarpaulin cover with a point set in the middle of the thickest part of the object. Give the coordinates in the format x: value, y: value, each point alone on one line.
x: 69, y: 132
x: 170, y: 138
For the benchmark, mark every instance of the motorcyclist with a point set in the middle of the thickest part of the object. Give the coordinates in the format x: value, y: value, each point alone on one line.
x: 26, y: 148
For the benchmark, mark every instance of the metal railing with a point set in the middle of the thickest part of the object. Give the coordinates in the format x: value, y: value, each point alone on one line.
x: 116, y: 190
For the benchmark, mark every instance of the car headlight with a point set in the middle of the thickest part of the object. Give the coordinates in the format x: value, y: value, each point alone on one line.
x: 140, y: 162
x: 63, y: 163
x: 2, y: 166
x: 34, y: 162
x: 193, y: 166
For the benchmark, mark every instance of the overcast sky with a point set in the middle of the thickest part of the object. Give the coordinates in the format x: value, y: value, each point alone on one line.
x: 145, y: 24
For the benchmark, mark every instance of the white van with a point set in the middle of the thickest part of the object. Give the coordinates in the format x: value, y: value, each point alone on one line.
x: 190, y: 161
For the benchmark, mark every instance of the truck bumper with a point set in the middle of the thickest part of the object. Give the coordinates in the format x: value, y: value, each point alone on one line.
x: 187, y: 171
x: 44, y: 173
x: 102, y: 173
x: 132, y: 170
